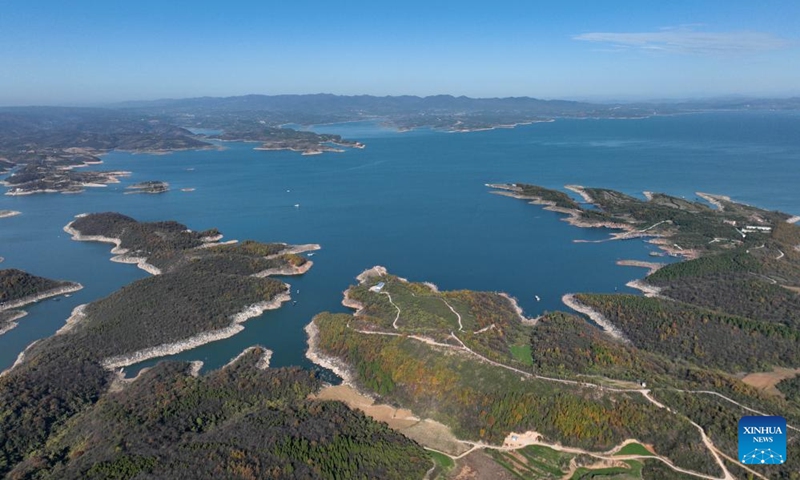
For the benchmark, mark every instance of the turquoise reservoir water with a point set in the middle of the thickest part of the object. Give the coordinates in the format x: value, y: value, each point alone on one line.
x: 414, y: 202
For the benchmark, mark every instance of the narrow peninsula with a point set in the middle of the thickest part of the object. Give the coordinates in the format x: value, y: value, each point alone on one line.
x: 18, y: 288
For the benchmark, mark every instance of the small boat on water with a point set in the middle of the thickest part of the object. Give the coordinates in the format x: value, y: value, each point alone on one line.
x: 67, y: 295
x: 311, y: 254
x: 537, y: 298
x: 297, y: 205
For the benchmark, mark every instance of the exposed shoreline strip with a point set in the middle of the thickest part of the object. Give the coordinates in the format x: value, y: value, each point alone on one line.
x: 286, y: 270
x: 21, y: 302
x: 10, y: 323
x: 197, y: 340
x: 120, y: 254
x: 520, y: 314
x: 78, y: 314
x: 597, y: 317
x: 715, y: 200
x: 574, y: 218
x: 20, y: 358
x: 641, y: 284
x: 333, y: 364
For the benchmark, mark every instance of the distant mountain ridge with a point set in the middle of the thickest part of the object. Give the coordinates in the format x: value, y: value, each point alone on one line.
x: 330, y: 103
x: 326, y: 103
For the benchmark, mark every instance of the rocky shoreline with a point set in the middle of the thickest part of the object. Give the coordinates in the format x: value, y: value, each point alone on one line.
x: 10, y: 323
x: 200, y: 339
x: 21, y: 302
x: 597, y: 317
x: 520, y: 314
x: 286, y: 270
x: 316, y: 357
x: 78, y: 314
x: 120, y: 254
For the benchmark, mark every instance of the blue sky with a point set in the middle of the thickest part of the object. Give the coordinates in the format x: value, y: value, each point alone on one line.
x: 82, y: 52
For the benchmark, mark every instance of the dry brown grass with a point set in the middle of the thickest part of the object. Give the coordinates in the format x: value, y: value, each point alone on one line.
x: 766, y: 381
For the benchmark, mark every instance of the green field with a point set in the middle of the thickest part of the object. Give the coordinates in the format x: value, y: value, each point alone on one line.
x: 522, y: 353
x: 634, y: 449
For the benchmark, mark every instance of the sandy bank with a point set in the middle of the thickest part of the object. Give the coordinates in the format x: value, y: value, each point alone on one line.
x: 286, y: 270
x: 262, y: 363
x: 296, y: 249
x: 520, y: 314
x: 652, y: 267
x: 78, y: 314
x: 19, y: 193
x: 715, y: 200
x: 20, y: 358
x: 646, y: 289
x: 352, y: 303
x: 376, y: 271
x: 216, y: 244
x: 72, y: 287
x: 580, y: 190
x: 10, y: 323
x: 597, y: 317
x: 121, y: 254
x: 326, y: 361
x: 641, y: 284
x: 200, y: 339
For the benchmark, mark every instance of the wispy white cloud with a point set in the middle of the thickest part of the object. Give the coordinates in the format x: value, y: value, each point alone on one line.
x: 688, y: 39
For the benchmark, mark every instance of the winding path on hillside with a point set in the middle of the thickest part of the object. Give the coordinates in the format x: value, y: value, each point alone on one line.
x: 460, y: 326
x: 646, y: 393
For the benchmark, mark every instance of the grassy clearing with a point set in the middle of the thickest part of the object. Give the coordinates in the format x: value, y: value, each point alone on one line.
x: 442, y: 461
x: 633, y: 471
x: 634, y: 449
x: 522, y: 353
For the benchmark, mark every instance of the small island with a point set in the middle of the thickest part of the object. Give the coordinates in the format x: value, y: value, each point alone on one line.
x: 279, y: 138
x: 19, y: 288
x: 153, y: 186
x: 43, y: 177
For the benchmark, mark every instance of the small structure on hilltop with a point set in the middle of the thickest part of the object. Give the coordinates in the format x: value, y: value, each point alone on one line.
x: 377, y: 287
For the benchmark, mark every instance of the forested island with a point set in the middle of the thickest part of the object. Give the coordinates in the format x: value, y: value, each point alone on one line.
x: 152, y: 186
x: 18, y: 288
x: 715, y: 336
